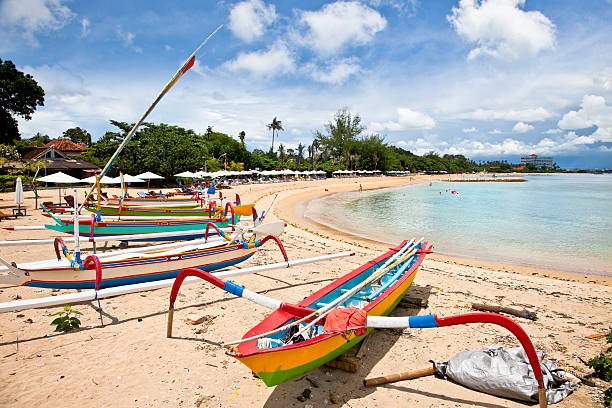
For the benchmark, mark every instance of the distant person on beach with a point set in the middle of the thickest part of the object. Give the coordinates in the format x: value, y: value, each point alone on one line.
x: 360, y: 188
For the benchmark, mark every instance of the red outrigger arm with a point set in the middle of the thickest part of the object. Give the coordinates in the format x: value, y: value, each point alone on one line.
x: 432, y: 321
x: 234, y: 289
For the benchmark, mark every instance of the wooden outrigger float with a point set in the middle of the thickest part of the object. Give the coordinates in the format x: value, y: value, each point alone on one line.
x: 297, y: 338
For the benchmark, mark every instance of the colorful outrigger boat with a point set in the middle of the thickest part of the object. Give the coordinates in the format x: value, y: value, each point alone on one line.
x: 126, y: 210
x: 125, y: 267
x: 95, y: 229
x: 281, y: 362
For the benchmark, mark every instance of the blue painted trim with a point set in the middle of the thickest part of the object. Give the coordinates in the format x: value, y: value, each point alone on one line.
x: 233, y: 288
x: 422, y: 322
x: 107, y: 283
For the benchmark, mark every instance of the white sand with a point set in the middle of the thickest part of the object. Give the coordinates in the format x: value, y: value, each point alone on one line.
x: 130, y: 362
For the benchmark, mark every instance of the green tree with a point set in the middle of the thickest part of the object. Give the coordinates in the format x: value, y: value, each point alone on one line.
x: 19, y: 95
x: 209, y: 133
x: 343, y: 130
x: 242, y: 135
x: 9, y: 152
x: 275, y: 126
x: 281, y: 155
x: 300, y: 153
x: 78, y: 135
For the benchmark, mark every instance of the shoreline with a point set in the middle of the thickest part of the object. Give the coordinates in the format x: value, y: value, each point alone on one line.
x: 297, y: 217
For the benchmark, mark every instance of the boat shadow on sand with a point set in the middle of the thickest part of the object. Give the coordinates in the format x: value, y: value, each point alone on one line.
x: 111, y: 320
x: 326, y: 382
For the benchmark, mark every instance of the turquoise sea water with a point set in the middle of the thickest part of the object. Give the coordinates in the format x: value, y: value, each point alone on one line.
x: 561, y: 222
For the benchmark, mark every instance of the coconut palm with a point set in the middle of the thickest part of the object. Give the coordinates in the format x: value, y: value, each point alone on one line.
x: 275, y: 126
x: 299, y: 155
x: 281, y: 155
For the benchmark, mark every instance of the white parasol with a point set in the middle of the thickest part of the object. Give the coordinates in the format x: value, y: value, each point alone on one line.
x: 59, y: 178
x: 19, y: 193
x: 149, y: 176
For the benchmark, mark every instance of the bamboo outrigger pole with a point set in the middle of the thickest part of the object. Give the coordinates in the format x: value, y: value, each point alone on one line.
x: 184, y: 68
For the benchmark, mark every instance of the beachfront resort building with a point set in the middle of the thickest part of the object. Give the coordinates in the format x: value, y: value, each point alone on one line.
x: 540, y: 163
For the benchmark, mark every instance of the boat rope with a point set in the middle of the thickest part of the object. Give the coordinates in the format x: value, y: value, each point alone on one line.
x: 382, y: 269
x: 324, y: 311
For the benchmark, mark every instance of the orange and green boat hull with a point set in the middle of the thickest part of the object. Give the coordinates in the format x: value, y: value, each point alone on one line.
x: 278, y: 365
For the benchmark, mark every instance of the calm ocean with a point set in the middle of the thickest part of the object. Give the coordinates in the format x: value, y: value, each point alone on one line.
x: 561, y: 222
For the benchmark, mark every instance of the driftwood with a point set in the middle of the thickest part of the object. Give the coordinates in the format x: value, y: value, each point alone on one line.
x: 409, y: 375
x: 408, y: 302
x: 597, y: 335
x: 502, y: 309
x: 345, y: 363
x: 349, y: 361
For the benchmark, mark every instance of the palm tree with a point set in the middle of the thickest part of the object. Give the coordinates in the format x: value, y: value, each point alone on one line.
x: 242, y: 135
x: 274, y: 126
x: 209, y: 133
x: 310, y: 152
x: 281, y: 155
x: 299, y: 155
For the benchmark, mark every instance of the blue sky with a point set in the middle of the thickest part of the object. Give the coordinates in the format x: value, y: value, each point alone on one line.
x: 490, y: 79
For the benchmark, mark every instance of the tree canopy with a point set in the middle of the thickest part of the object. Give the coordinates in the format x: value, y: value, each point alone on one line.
x: 78, y: 135
x: 19, y: 96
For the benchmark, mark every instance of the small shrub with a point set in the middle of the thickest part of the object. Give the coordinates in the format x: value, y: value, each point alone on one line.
x: 65, y: 322
x: 603, y: 363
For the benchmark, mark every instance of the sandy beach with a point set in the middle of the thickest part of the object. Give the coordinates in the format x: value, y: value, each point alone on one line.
x: 130, y: 362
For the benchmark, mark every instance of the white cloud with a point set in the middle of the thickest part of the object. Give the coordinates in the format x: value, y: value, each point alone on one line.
x: 407, y: 120
x: 419, y: 146
x: 128, y: 39
x: 527, y: 115
x: 277, y: 60
x: 469, y: 130
x: 568, y: 144
x: 248, y: 19
x: 522, y: 127
x: 337, y: 72
x: 553, y: 131
x: 338, y: 24
x: 27, y: 17
x: 85, y: 23
x: 501, y: 29
x: 495, y: 132
x: 593, y: 112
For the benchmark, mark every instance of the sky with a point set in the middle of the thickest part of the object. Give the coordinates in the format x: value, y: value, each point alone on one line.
x: 489, y: 79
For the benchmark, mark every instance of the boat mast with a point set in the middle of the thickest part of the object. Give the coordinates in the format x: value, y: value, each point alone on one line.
x: 184, y: 68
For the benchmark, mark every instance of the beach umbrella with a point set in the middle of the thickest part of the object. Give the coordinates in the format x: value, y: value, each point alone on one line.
x: 103, y: 180
x: 127, y: 178
x: 149, y: 176
x: 186, y: 174
x: 59, y: 178
x: 18, y: 194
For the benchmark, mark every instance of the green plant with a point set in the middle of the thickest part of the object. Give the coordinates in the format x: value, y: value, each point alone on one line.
x: 65, y: 322
x: 603, y: 363
x: 608, y: 398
